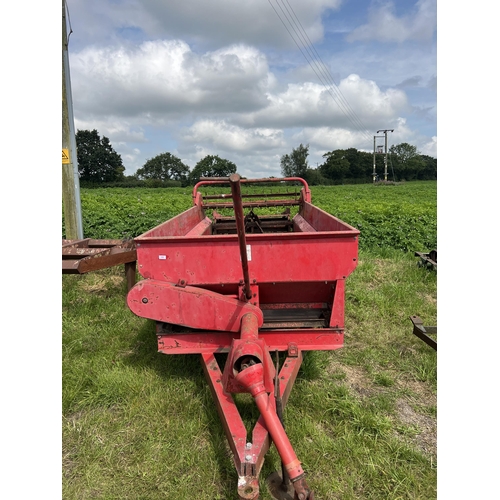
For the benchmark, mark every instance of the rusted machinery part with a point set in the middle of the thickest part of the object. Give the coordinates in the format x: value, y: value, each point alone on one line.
x: 427, y: 259
x: 302, y: 491
x: 248, y: 488
x: 278, y: 489
x: 422, y: 332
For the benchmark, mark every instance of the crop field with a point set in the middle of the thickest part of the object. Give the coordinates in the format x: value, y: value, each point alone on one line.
x: 403, y: 217
x: 137, y: 424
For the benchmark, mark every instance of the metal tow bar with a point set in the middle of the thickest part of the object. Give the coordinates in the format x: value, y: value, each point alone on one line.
x: 252, y: 372
x: 251, y: 378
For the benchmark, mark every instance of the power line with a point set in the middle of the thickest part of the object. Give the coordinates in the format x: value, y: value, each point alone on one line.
x: 324, y: 73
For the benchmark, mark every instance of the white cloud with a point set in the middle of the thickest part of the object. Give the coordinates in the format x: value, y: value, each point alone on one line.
x: 429, y: 148
x: 213, y: 23
x: 355, y: 102
x: 383, y: 25
x: 165, y: 78
x: 224, y: 136
x: 328, y: 138
x: 116, y: 131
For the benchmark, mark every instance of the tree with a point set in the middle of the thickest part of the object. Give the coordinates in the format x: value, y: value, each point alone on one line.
x: 97, y: 160
x: 295, y: 163
x: 164, y: 167
x: 429, y: 170
x: 336, y: 165
x: 406, y: 160
x: 212, y: 166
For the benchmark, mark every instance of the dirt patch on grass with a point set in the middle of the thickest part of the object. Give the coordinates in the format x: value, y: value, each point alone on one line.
x: 425, y: 437
x: 358, y: 381
x: 421, y: 428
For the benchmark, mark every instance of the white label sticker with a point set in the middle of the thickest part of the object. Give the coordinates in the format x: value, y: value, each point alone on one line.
x: 162, y: 257
x: 249, y: 253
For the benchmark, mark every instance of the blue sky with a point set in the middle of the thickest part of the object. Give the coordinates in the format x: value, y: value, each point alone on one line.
x: 251, y: 80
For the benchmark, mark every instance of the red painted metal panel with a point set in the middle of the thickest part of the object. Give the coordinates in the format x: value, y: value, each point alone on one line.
x: 177, y: 226
x: 323, y: 221
x: 215, y: 259
x: 188, y: 306
x: 308, y: 339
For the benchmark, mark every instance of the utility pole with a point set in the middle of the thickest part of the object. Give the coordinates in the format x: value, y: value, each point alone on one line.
x: 70, y: 179
x: 385, y: 158
x: 374, y: 156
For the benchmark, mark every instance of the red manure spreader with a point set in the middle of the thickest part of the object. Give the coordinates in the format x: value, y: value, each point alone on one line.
x: 251, y: 286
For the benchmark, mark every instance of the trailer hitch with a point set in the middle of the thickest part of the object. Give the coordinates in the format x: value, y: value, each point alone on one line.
x: 251, y: 379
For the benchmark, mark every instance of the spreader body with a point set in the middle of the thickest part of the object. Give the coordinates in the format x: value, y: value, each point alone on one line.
x: 249, y: 285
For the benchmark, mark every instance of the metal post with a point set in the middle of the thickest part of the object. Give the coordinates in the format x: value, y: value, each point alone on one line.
x: 234, y: 180
x: 374, y: 162
x: 70, y: 179
x: 385, y: 157
x: 375, y: 155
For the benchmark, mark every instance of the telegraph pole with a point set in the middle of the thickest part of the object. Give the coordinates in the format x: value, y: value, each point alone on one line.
x: 70, y: 179
x: 385, y: 158
x: 374, y: 156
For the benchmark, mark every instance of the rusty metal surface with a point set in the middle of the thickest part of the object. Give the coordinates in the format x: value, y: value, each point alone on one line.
x: 86, y: 255
x: 280, y: 490
x: 423, y: 332
x: 428, y: 259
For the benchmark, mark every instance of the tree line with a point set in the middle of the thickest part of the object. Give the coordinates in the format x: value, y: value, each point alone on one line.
x: 99, y: 164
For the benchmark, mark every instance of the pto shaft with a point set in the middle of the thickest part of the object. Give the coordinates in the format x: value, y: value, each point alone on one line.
x: 251, y: 377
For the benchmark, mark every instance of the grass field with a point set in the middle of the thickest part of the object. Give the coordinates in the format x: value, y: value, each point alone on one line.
x: 141, y: 425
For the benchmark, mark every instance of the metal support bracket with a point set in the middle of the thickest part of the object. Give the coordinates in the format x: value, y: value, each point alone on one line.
x: 422, y: 332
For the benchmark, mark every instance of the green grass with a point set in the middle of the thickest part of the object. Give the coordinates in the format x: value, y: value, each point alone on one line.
x: 143, y: 425
x: 137, y: 424
x: 402, y: 217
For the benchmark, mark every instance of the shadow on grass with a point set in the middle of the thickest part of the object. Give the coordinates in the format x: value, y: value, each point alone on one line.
x: 144, y: 354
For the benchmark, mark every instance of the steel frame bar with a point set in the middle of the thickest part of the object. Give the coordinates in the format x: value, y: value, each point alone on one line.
x: 248, y: 457
x: 86, y: 255
x: 421, y: 332
x: 240, y: 229
x: 426, y: 259
x: 203, y: 342
x: 253, y: 195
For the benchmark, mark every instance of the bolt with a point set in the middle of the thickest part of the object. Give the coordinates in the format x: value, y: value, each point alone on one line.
x: 249, y: 445
x: 248, y: 457
x: 144, y: 300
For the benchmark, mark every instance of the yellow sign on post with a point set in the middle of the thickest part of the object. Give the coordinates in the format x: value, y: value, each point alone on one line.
x: 65, y: 156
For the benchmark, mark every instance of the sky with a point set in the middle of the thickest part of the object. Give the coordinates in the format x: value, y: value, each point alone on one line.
x: 250, y: 80
x: 238, y: 86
